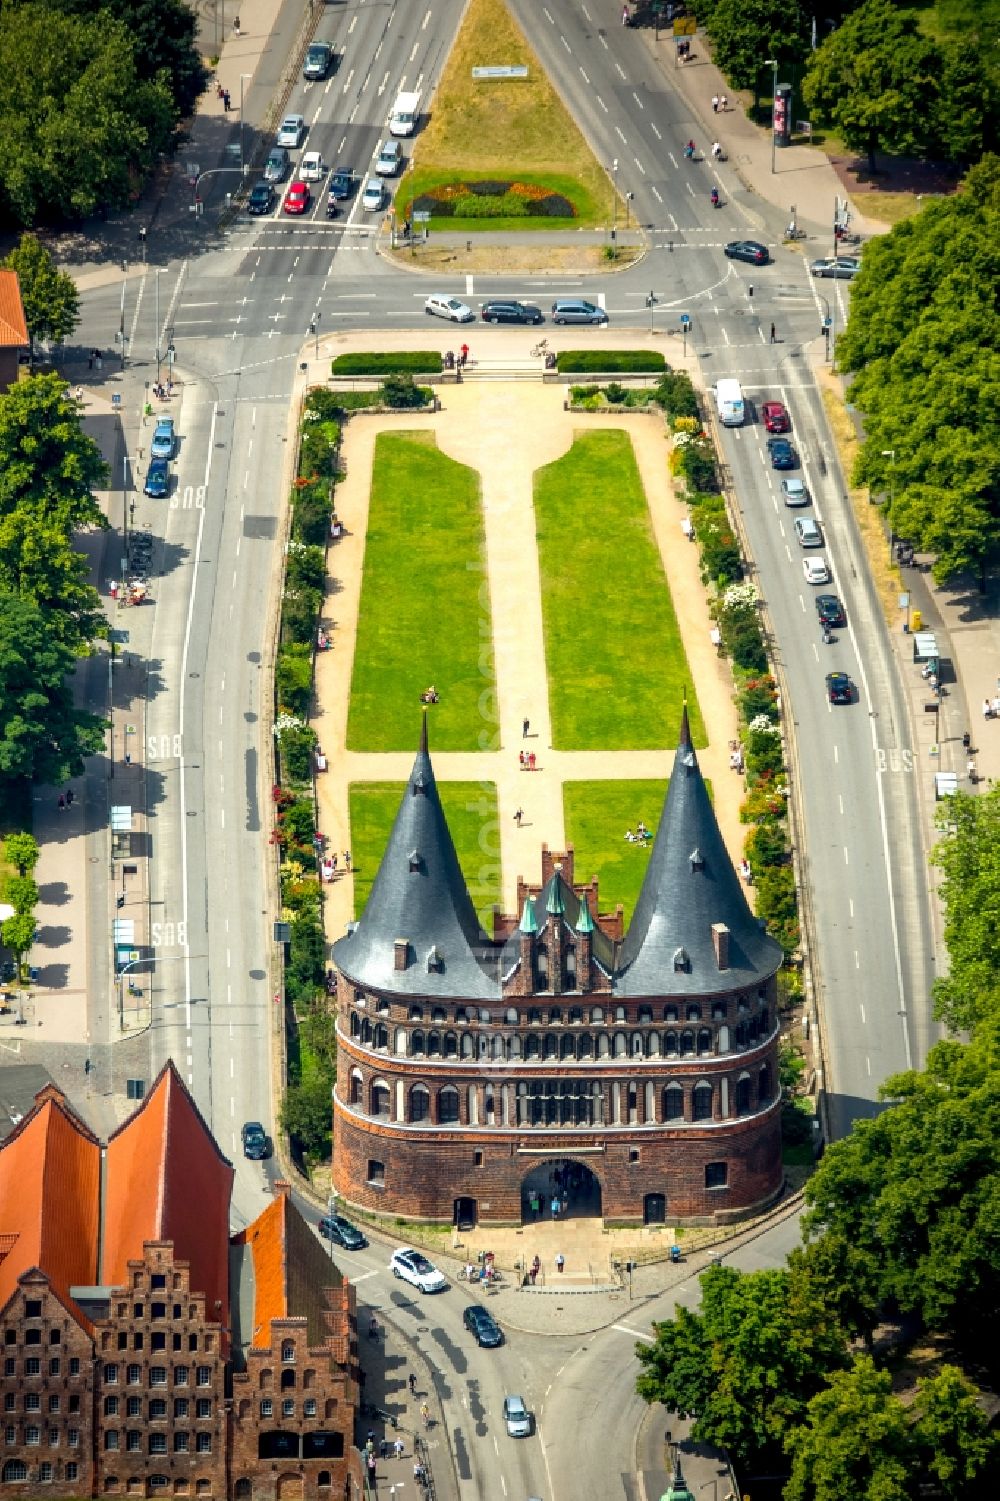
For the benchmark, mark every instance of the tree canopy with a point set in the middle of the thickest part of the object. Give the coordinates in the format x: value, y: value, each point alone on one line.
x: 745, y: 32
x: 49, y: 296
x: 43, y: 736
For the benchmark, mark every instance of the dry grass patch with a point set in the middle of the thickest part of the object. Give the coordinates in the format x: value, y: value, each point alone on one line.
x: 529, y: 260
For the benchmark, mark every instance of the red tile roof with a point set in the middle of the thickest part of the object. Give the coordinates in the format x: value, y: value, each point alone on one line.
x: 167, y: 1180
x: 266, y: 1238
x: 50, y: 1171
x: 13, y: 329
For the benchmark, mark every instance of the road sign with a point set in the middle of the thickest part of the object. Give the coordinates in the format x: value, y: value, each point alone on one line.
x: 421, y: 216
x: 116, y: 400
x: 685, y: 26
x: 685, y: 320
x: 518, y: 71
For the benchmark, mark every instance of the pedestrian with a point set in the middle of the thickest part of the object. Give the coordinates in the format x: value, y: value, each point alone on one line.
x: 464, y: 354
x: 370, y: 1442
x: 98, y: 360
x: 555, y: 1207
x: 723, y: 103
x: 523, y: 758
x: 399, y: 1448
x: 624, y: 15
x: 966, y: 740
x: 413, y: 1385
x: 236, y: 27
x: 970, y: 767
x: 774, y: 334
x: 531, y: 760
x: 333, y: 861
x: 525, y: 727
x: 536, y: 1206
x: 425, y: 1414
x: 996, y: 707
x: 69, y: 797
x: 715, y: 104
x: 560, y: 1262
x: 62, y: 802
x: 372, y: 1467
x: 226, y: 101
x: 78, y: 393
x: 518, y: 815
x: 90, y: 360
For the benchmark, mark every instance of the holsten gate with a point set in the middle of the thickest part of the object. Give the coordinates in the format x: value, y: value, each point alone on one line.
x: 636, y: 1069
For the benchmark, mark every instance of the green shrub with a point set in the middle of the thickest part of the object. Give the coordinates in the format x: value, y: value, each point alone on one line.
x: 636, y: 361
x: 293, y: 677
x: 298, y: 823
x: 697, y: 463
x: 721, y: 562
x: 764, y: 756
x: 296, y: 742
x: 796, y: 1123
x: 742, y: 639
x: 311, y: 509
x: 418, y: 361
x: 300, y: 613
x: 322, y: 404
x: 472, y: 206
x: 319, y: 448
x: 759, y: 696
x: 676, y: 394
x: 402, y: 391
x: 615, y: 392
x: 776, y: 905
x: 305, y: 567
x: 583, y: 393
x: 766, y: 844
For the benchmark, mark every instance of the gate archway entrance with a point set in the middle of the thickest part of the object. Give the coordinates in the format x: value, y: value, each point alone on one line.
x: 560, y: 1189
x: 464, y: 1213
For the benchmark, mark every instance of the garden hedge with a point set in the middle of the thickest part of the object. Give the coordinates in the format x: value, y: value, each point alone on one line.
x: 606, y: 361
x: 421, y: 361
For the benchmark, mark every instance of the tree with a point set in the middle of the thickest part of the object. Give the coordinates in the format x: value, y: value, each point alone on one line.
x: 17, y: 934
x: 22, y: 852
x: 21, y: 892
x: 968, y: 855
x: 855, y: 1441
x: 49, y: 467
x: 745, y: 32
x: 307, y: 1115
x: 952, y: 1432
x: 43, y: 736
x: 50, y: 299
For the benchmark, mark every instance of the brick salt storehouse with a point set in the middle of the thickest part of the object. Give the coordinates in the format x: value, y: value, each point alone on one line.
x: 640, y: 1064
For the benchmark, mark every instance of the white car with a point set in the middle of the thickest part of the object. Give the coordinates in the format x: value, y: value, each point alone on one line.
x: 291, y: 131
x: 413, y: 1267
x: 389, y: 159
x: 794, y: 492
x: 448, y: 307
x: 816, y: 570
x: 517, y: 1417
x: 373, y: 196
x: 312, y: 167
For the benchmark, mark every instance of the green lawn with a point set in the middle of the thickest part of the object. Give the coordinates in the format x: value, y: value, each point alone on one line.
x: 616, y: 666
x: 471, y: 811
x: 597, y: 815
x: 425, y: 614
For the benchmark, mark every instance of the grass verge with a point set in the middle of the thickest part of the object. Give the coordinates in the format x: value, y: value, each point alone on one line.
x: 422, y: 618
x: 590, y: 208
x: 471, y: 811
x: 597, y: 815
x: 616, y: 664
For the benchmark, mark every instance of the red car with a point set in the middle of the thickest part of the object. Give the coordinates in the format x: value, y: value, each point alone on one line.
x: 776, y: 418
x: 297, y: 198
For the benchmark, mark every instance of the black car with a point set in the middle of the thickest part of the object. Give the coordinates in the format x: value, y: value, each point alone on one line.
x: 334, y: 1227
x: 157, y: 481
x: 511, y: 312
x: 747, y: 250
x: 254, y: 1141
x: 782, y: 453
x: 838, y: 688
x: 261, y: 200
x: 483, y: 1325
x: 343, y: 183
x: 830, y: 610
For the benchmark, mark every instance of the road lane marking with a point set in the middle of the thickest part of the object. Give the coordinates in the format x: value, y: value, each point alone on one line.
x: 601, y: 103
x: 638, y: 101
x: 585, y: 78
x: 655, y: 131
x: 363, y: 1278
x: 635, y: 1333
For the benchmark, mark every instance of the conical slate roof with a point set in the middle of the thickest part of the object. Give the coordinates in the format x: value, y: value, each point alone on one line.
x: 690, y: 884
x: 420, y: 896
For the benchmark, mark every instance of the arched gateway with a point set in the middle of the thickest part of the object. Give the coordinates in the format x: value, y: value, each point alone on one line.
x: 560, y: 1189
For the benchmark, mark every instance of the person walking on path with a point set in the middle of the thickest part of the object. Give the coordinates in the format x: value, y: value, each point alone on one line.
x: 560, y: 1262
x: 774, y: 334
x: 525, y: 727
x: 226, y: 102
x: 715, y: 104
x: 518, y: 815
x: 413, y: 1384
x: 425, y: 1414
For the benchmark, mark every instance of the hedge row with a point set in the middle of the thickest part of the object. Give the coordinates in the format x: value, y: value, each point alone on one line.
x: 416, y: 361
x: 610, y: 361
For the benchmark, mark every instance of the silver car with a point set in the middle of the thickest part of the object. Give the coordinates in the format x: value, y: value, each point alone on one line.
x: 517, y: 1417
x: 276, y: 166
x: 841, y: 267
x: 373, y: 196
x: 389, y: 159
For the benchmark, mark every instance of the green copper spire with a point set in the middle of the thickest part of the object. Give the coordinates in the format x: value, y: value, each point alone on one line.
x: 528, y: 923
x: 584, y: 921
x: 554, y: 903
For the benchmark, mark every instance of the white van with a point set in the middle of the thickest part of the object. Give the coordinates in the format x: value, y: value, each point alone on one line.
x: 403, y: 120
x: 729, y: 402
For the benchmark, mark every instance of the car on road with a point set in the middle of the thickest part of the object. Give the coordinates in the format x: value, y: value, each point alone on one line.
x: 290, y: 131
x: 838, y: 688
x: 334, y: 1227
x: 343, y: 183
x: 261, y: 200
x: 499, y: 311
x: 277, y: 164
x: 517, y: 1417
x: 413, y: 1267
x: 297, y: 198
x: 157, y: 481
x: 830, y: 610
x: 318, y: 60
x: 312, y: 167
x: 373, y: 197
x: 807, y: 532
x: 164, y: 438
x: 776, y: 418
x: 254, y: 1141
x: 781, y: 453
x: 389, y: 159
x: 440, y: 305
x: 842, y: 267
x: 815, y: 570
x: 794, y: 492
x: 577, y: 310
x: 747, y: 250
x: 483, y: 1325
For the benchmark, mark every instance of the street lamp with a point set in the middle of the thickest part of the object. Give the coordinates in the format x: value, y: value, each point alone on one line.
x: 628, y: 200
x: 614, y: 200
x: 121, y: 329
x: 890, y: 454
x: 829, y: 329
x: 242, y: 162
x: 651, y: 302
x: 772, y: 62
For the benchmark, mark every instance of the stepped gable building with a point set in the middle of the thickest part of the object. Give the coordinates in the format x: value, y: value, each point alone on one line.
x: 119, y: 1333
x: 640, y: 1066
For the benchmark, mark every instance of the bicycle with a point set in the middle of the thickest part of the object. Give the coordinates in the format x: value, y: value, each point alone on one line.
x: 539, y: 349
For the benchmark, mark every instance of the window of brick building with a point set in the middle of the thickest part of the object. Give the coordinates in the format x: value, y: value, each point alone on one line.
x: 9, y: 1367
x: 133, y: 1441
x: 448, y: 1105
x: 32, y: 1402
x: 204, y: 1375
x: 309, y: 1407
x: 633, y: 1154
x: 110, y: 1375
x: 288, y: 1352
x: 180, y: 1443
x: 53, y: 1438
x: 203, y: 1443
x: 32, y: 1435
x: 157, y: 1375
x: 266, y: 1407
x: 122, y: 1339
x: 716, y: 1174
x: 111, y: 1407
x: 9, y: 1401
x: 181, y: 1407
x: 10, y: 1336
x: 477, y: 1158
x: 204, y: 1407
x: 157, y: 1282
x: 32, y: 1308
x: 288, y: 1407
x: 55, y: 1336
x: 157, y: 1443
x: 157, y: 1407
x: 54, y: 1366
x: 701, y: 1102
x: 72, y: 1471
x: 376, y: 1173
x: 133, y: 1407
x: 10, y: 1434
x: 242, y: 1489
x: 192, y: 1341
x: 420, y: 1103
x: 137, y: 1340
x: 133, y: 1375
x: 111, y: 1438
x: 176, y: 1343
x: 180, y: 1375
x: 73, y: 1438
x: 45, y: 1471
x: 74, y: 1365
x: 32, y: 1366
x: 157, y: 1340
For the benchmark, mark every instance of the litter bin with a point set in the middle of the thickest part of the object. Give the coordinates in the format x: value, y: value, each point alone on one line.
x: 916, y: 620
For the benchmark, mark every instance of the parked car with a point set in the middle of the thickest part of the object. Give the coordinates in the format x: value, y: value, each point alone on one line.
x: 776, y: 418
x: 440, y: 305
x: 517, y: 1417
x: 807, y: 532
x: 334, y: 1227
x: 277, y: 164
x: 157, y: 481
x: 781, y: 453
x: 343, y: 182
x: 413, y: 1267
x: 164, y: 438
x: 838, y: 688
x: 483, y: 1325
x: 747, y: 250
x: 297, y: 198
x: 842, y: 267
x: 815, y: 570
x: 830, y: 610
x: 255, y: 1145
x: 261, y: 200
x: 576, y: 310
x: 794, y: 492
x: 373, y: 197
x: 510, y: 312
x: 312, y: 167
x: 290, y: 131
x: 318, y: 60
x: 389, y: 159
